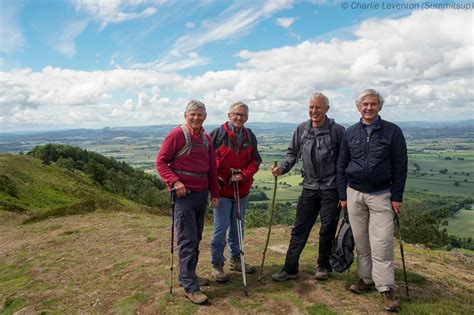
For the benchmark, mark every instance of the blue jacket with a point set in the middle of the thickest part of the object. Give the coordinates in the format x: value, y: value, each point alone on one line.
x: 375, y: 163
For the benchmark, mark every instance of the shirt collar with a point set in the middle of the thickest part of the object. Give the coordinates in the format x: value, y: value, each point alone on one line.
x: 376, y: 120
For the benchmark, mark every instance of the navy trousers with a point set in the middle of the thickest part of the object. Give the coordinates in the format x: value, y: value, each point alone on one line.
x: 189, y: 215
x: 311, y: 203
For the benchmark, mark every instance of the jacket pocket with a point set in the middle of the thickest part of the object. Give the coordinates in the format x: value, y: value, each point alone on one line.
x: 356, y: 149
x: 382, y: 148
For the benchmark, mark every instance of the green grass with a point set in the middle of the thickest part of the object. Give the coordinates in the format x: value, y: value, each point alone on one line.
x: 126, y: 305
x: 462, y: 223
x: 435, y: 305
x: 319, y: 309
x: 11, y: 305
x: 50, y: 191
x: 101, y: 262
x: 14, y: 277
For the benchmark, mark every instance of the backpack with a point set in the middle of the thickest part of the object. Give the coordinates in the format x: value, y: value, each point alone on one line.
x: 342, y: 254
x: 188, y: 146
x: 217, y: 141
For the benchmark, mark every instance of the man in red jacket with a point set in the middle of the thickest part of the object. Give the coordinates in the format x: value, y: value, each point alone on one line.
x: 235, y: 148
x: 186, y: 162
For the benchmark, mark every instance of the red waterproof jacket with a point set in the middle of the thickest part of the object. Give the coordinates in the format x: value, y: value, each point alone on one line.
x: 229, y: 154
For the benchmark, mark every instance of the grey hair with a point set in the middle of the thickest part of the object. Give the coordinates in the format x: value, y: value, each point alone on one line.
x: 238, y: 104
x: 195, y: 105
x: 370, y: 92
x: 321, y: 95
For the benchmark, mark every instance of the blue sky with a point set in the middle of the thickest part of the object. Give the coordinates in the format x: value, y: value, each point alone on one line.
x: 97, y: 63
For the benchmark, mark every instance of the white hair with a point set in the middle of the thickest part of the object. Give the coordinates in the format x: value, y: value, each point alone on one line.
x: 370, y: 92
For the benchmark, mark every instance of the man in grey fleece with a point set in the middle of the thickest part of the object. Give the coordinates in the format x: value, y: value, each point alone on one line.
x: 317, y: 142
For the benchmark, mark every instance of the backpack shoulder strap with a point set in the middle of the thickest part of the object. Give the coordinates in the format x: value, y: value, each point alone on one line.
x: 220, y: 137
x: 251, y: 136
x: 342, y: 233
x: 187, y: 145
x: 302, y: 140
x: 205, y: 139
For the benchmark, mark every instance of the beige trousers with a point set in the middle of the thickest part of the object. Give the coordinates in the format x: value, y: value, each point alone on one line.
x: 371, y: 218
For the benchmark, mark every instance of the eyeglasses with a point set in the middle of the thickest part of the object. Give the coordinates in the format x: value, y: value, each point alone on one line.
x: 239, y: 115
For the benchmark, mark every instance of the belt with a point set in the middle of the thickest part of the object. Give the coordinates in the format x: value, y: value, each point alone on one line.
x: 190, y: 173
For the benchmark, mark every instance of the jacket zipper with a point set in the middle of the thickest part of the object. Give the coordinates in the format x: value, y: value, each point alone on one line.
x: 367, y: 162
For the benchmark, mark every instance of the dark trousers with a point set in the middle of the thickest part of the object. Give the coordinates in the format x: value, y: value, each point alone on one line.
x: 310, y: 204
x: 189, y: 219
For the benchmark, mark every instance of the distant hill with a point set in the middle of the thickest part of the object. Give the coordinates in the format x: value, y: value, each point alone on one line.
x: 38, y: 190
x: 162, y: 130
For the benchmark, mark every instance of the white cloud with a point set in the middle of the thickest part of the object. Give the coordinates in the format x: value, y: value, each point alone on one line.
x: 286, y: 22
x: 422, y: 74
x: 116, y: 11
x: 229, y: 24
x: 398, y: 56
x: 172, y: 63
x: 11, y: 35
x: 190, y: 25
x: 65, y: 44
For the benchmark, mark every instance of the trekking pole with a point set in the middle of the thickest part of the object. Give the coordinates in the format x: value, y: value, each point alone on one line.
x: 397, y: 223
x: 172, y: 199
x: 269, y: 224
x: 235, y: 185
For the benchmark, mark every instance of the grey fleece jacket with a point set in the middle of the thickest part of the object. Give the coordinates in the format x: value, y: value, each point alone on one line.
x: 319, y: 151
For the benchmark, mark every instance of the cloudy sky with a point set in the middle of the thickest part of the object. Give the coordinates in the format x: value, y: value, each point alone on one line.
x: 97, y: 63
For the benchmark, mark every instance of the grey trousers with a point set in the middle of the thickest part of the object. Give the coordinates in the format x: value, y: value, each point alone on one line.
x: 371, y: 217
x: 189, y: 215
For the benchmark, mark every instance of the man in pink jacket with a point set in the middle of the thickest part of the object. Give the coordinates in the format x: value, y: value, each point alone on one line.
x: 186, y: 162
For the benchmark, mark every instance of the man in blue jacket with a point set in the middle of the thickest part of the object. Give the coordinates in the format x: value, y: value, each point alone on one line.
x: 372, y: 170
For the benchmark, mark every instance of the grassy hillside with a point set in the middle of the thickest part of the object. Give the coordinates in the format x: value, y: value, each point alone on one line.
x: 118, y: 263
x: 462, y: 223
x: 47, y: 190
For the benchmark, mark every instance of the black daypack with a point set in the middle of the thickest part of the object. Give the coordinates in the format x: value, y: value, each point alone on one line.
x: 342, y: 254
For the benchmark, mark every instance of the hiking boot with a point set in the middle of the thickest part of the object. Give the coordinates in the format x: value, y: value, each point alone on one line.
x: 362, y: 287
x: 321, y: 274
x: 389, y: 301
x: 282, y: 275
x: 218, y: 273
x: 197, y: 297
x: 236, y: 265
x: 201, y: 281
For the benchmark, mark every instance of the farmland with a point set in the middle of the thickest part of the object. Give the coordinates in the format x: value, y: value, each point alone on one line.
x: 441, y: 155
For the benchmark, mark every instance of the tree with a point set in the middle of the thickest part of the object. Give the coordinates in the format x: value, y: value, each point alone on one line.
x: 96, y: 170
x: 67, y: 163
x: 421, y: 228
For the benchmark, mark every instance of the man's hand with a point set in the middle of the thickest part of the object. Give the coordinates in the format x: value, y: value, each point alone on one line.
x: 276, y: 170
x: 396, y: 207
x: 343, y: 204
x: 214, y: 202
x: 236, y: 177
x: 179, y: 188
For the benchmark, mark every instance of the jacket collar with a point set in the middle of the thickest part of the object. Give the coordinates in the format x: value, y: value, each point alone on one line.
x: 327, y: 124
x: 377, y: 123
